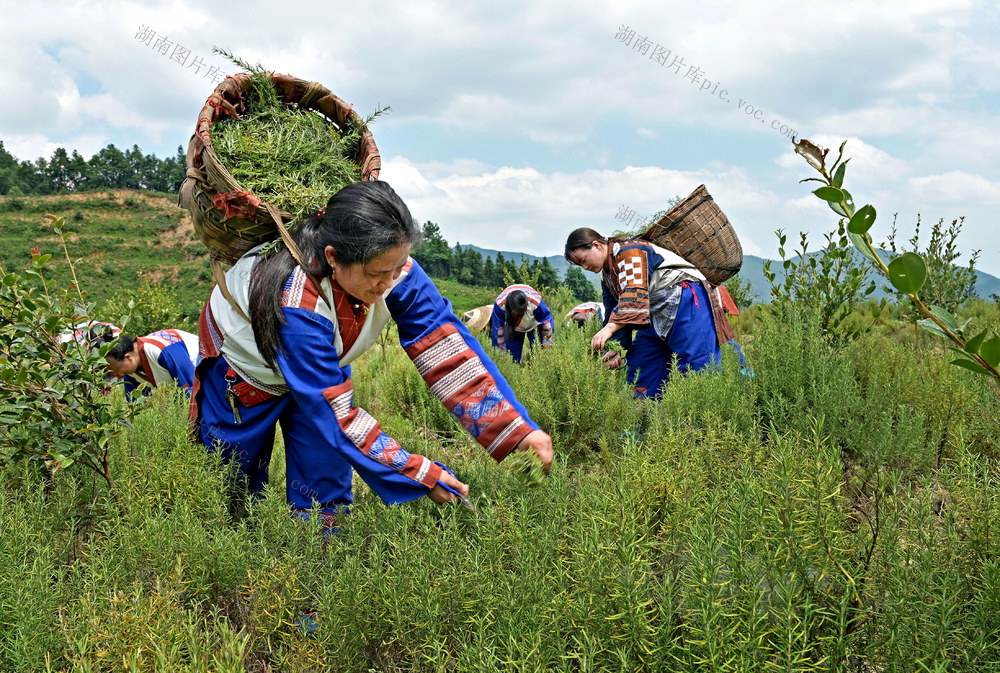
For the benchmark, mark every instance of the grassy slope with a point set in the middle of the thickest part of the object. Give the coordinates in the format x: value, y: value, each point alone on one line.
x: 124, y: 234
x: 119, y: 235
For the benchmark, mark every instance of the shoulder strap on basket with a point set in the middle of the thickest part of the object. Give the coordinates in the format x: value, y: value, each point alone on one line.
x: 220, y: 277
x: 294, y: 249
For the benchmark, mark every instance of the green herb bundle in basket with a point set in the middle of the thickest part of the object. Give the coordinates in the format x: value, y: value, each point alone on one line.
x: 268, y: 149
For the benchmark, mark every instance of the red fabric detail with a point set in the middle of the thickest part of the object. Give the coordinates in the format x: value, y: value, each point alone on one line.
x: 694, y: 294
x: 245, y: 392
x: 413, y: 465
x: 334, y: 392
x: 726, y: 299
x: 209, y: 352
x: 146, y: 374
x: 349, y: 321
x: 237, y: 204
x: 470, y: 393
x: 310, y: 294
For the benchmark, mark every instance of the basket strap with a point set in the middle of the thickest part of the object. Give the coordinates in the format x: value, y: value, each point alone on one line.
x: 294, y: 249
x: 220, y: 280
x: 692, y: 266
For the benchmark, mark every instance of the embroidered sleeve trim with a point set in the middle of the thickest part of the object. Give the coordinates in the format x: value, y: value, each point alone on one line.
x: 366, y: 434
x: 547, y: 332
x: 455, y: 374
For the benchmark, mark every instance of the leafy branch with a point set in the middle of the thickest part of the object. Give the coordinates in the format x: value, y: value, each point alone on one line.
x: 907, y: 273
x: 53, y: 410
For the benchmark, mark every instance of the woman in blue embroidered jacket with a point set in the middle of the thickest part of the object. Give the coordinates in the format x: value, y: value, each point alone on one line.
x: 519, y: 311
x: 167, y: 356
x: 290, y: 362
x: 661, y: 302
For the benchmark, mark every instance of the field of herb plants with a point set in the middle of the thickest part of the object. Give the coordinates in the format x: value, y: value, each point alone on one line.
x: 838, y: 510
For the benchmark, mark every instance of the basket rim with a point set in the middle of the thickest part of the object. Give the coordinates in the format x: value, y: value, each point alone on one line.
x: 226, y: 100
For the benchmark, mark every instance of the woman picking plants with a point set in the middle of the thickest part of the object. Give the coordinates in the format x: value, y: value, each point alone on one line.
x: 165, y: 357
x: 656, y: 303
x: 309, y: 319
x: 519, y: 311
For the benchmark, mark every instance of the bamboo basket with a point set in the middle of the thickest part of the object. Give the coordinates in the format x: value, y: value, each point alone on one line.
x: 698, y: 230
x: 228, y: 218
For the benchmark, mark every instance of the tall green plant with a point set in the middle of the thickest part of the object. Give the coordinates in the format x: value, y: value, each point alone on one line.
x: 948, y: 285
x: 832, y: 281
x: 53, y: 409
x: 907, y: 273
x: 149, y: 307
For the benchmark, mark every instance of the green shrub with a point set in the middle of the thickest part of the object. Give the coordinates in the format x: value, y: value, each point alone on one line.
x: 571, y: 395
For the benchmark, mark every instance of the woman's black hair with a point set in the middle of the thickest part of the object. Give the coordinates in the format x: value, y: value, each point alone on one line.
x: 514, y: 308
x: 123, y: 346
x: 583, y: 238
x: 361, y: 222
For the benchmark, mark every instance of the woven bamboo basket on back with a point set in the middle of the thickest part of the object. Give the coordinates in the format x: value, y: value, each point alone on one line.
x: 698, y: 230
x: 228, y: 218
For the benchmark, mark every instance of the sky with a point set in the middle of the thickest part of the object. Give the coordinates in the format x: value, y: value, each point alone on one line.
x: 514, y: 123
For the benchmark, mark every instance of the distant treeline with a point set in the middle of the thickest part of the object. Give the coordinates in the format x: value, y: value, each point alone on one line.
x: 468, y: 267
x: 110, y: 168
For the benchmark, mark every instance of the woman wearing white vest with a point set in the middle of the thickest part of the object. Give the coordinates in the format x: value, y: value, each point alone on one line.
x: 290, y: 362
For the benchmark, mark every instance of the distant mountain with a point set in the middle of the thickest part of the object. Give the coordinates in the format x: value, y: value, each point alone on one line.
x: 752, y: 271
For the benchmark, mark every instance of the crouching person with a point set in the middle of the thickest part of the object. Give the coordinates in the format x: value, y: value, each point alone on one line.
x: 518, y: 313
x: 167, y: 357
x: 281, y: 353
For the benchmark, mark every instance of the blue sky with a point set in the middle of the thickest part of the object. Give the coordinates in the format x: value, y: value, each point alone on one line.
x: 513, y: 123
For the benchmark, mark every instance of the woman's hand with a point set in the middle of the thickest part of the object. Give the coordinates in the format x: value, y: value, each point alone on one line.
x: 601, y: 338
x: 541, y: 444
x: 613, y: 358
x: 441, y: 495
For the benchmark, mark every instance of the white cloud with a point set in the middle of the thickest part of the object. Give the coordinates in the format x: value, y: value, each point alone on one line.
x: 867, y: 163
x: 955, y: 187
x: 522, y: 208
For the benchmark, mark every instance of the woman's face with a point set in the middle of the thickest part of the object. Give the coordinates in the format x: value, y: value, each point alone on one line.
x: 593, y: 258
x: 127, y: 366
x: 368, y: 282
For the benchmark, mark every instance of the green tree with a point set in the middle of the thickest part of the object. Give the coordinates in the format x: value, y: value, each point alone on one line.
x: 500, y: 271
x: 433, y: 253
x: 472, y: 267
x: 548, y: 276
x: 8, y: 169
x: 457, y: 261
x: 579, y: 285
x: 907, y: 273
x: 489, y: 272
x: 948, y: 285
x: 834, y: 281
x: 59, y: 171
x: 109, y: 168
x: 741, y: 291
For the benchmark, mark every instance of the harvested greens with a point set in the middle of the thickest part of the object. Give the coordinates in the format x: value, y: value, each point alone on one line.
x: 291, y: 157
